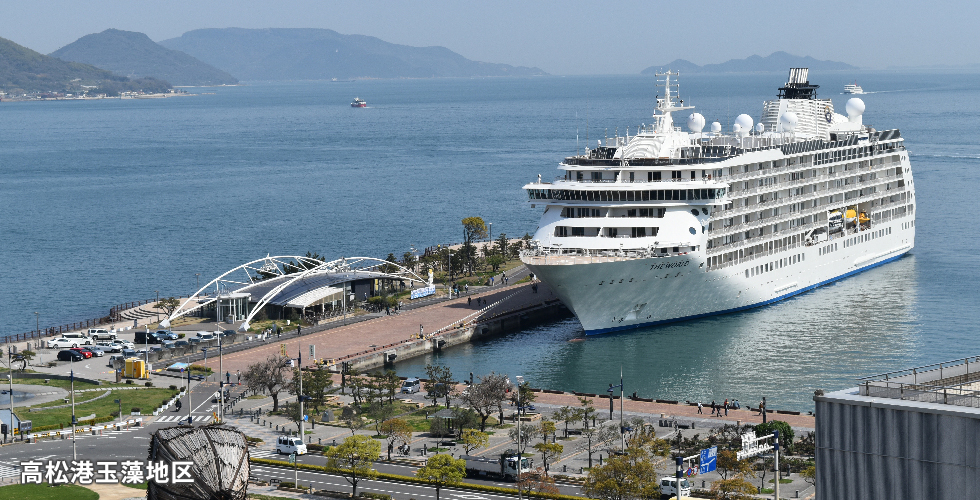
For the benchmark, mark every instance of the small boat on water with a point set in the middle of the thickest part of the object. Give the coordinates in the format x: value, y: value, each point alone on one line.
x: 358, y: 103
x: 853, y: 88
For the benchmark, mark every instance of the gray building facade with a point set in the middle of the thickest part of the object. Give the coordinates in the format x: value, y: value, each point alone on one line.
x: 913, y: 434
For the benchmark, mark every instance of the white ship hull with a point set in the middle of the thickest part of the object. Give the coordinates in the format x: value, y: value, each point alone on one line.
x: 678, y: 288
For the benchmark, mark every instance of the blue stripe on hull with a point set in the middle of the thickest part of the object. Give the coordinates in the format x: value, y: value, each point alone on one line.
x: 751, y: 306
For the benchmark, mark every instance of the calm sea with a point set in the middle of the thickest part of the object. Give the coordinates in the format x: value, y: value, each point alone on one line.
x: 103, y: 202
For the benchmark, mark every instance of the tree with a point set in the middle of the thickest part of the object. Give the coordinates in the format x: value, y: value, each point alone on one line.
x: 352, y: 419
x: 539, y: 481
x: 549, y: 452
x: 730, y: 466
x: 810, y: 475
x: 353, y: 459
x: 566, y: 414
x: 785, y: 433
x: 473, y: 229
x: 502, y: 245
x: 390, y: 383
x: 527, y: 433
x: 484, y: 397
x: 495, y: 261
x: 380, y: 412
x: 396, y: 430
x: 24, y: 357
x: 409, y: 260
x: 547, y: 428
x: 526, y: 396
x: 473, y: 439
x: 596, y: 436
x: 292, y: 413
x: 736, y: 488
x: 268, y: 376
x: 441, y: 471
x: 623, y: 477
x: 586, y: 412
x: 439, y: 383
x: 169, y: 305
x: 390, y: 268
x: 316, y: 385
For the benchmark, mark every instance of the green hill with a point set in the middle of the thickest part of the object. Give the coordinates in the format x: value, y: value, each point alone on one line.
x: 25, y: 71
x: 322, y: 54
x: 134, y: 55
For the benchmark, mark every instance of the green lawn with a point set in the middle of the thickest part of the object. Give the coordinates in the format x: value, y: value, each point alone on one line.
x: 63, y: 384
x: 146, y: 400
x: 137, y: 486
x: 46, y: 492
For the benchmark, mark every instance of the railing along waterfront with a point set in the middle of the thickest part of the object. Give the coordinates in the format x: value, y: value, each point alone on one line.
x: 948, y: 382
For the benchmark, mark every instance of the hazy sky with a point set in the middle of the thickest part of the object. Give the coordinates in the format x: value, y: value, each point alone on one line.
x: 560, y: 37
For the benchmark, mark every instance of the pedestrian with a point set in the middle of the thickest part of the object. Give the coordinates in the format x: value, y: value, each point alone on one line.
x: 713, y: 406
x: 466, y: 287
x: 228, y: 377
x: 700, y: 408
x: 239, y: 373
x: 726, y: 407
x: 469, y: 301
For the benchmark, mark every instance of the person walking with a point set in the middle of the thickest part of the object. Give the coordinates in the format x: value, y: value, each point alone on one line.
x: 239, y: 373
x: 713, y: 407
x: 699, y: 408
x: 469, y: 301
x: 726, y: 407
x: 227, y: 377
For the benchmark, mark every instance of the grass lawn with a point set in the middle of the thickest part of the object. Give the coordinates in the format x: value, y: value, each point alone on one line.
x: 45, y: 492
x: 63, y: 384
x: 137, y: 486
x: 146, y: 400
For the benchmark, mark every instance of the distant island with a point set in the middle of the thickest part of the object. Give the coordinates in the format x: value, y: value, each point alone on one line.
x: 777, y: 61
x: 134, y: 55
x: 25, y: 71
x: 322, y: 54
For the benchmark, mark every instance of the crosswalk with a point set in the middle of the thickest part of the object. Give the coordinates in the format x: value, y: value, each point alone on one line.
x: 262, y: 453
x: 9, y: 470
x: 177, y: 418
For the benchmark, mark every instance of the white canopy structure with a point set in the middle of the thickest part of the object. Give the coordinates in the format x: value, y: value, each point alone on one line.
x: 290, y: 281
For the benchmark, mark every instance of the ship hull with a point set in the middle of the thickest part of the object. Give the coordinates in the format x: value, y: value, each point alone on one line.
x: 634, y: 293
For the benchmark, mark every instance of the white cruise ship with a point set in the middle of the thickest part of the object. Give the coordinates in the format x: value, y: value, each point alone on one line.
x: 853, y: 88
x: 667, y: 225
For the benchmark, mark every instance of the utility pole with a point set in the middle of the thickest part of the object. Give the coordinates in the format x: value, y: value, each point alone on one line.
x: 520, y: 451
x: 221, y: 385
x: 10, y: 378
x: 622, y: 430
x: 299, y: 397
x: 190, y: 419
x: 74, y: 450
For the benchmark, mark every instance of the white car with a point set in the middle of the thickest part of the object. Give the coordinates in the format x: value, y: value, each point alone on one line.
x: 101, y: 334
x: 123, y: 344
x: 64, y: 343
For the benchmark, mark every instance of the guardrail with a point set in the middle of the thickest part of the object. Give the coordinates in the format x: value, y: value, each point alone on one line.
x: 85, y: 429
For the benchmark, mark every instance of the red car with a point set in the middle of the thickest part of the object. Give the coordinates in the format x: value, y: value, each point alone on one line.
x: 83, y: 352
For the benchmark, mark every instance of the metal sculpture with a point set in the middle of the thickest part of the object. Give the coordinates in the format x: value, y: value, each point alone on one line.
x: 219, y: 455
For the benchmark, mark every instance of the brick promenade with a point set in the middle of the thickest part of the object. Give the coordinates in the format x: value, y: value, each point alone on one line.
x: 352, y: 339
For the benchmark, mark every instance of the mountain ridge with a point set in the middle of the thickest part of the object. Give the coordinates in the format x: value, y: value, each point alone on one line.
x: 133, y: 54
x: 322, y: 54
x: 777, y: 61
x: 23, y: 70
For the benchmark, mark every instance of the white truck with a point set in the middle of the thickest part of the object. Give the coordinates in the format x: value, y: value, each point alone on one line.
x: 101, y: 334
x: 668, y: 487
x: 503, y: 466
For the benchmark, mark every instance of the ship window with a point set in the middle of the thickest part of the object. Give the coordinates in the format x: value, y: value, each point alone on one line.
x: 692, y: 175
x: 695, y: 212
x: 639, y: 232
x: 693, y: 231
x: 631, y: 212
x: 655, y: 176
x: 596, y: 176
x: 578, y: 231
x: 632, y: 176
x: 579, y: 176
x: 654, y: 231
x: 675, y: 174
x: 561, y: 230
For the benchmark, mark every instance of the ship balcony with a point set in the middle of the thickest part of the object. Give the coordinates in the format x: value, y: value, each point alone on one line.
x: 559, y: 256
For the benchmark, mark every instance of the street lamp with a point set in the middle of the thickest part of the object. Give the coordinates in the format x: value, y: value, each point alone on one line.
x: 520, y: 452
x: 491, y: 233
x: 37, y: 323
x: 157, y: 306
x: 198, y: 276
x: 622, y: 430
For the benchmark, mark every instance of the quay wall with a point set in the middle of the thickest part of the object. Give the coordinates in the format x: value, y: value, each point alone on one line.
x: 512, y: 321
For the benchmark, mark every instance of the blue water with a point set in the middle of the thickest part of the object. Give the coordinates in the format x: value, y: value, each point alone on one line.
x: 109, y: 201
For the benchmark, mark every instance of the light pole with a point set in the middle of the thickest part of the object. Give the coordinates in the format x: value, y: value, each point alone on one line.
x: 157, y: 306
x: 491, y: 234
x: 622, y: 430
x: 221, y: 387
x: 198, y: 276
x: 520, y: 452
x: 74, y: 452
x: 10, y: 378
x: 119, y: 402
x: 37, y: 323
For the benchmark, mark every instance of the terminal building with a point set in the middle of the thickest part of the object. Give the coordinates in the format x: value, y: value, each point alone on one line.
x: 913, y: 433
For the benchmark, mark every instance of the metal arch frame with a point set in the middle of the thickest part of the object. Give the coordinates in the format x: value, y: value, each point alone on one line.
x: 336, y: 266
x: 269, y: 264
x: 276, y: 265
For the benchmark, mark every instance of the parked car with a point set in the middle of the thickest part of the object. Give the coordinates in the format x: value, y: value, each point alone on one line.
x: 147, y: 338
x: 86, y: 354
x: 70, y: 355
x: 205, y: 335
x: 165, y: 335
x: 95, y: 350
x: 289, y: 445
x: 63, y: 342
x: 108, y: 346
x: 81, y: 338
x: 182, y: 343
x: 168, y: 344
x: 128, y: 353
x: 101, y: 334
x: 123, y: 344
x: 410, y: 386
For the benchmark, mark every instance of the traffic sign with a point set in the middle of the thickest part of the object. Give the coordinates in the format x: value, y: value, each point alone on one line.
x: 312, y: 351
x: 752, y: 446
x: 709, y: 460
x: 292, y: 458
x: 282, y: 349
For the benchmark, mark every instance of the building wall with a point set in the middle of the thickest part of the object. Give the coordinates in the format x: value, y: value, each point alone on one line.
x: 871, y: 449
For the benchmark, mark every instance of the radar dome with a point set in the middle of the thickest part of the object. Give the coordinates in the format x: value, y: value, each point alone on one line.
x: 745, y: 121
x: 737, y: 129
x: 715, y: 127
x: 854, y: 107
x: 760, y: 128
x: 788, y: 121
x: 695, y: 122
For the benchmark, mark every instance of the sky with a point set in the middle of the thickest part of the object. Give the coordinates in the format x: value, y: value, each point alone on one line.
x: 561, y: 37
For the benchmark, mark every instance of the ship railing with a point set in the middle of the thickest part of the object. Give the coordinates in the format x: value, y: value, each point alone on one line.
x: 572, y: 256
x: 706, y: 180
x: 754, y: 256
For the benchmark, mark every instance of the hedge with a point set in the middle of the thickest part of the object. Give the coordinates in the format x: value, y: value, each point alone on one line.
x: 408, y: 479
x: 96, y: 420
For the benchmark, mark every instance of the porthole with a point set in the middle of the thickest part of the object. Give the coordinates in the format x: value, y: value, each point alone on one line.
x: 704, y: 211
x: 693, y: 231
x: 695, y: 212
